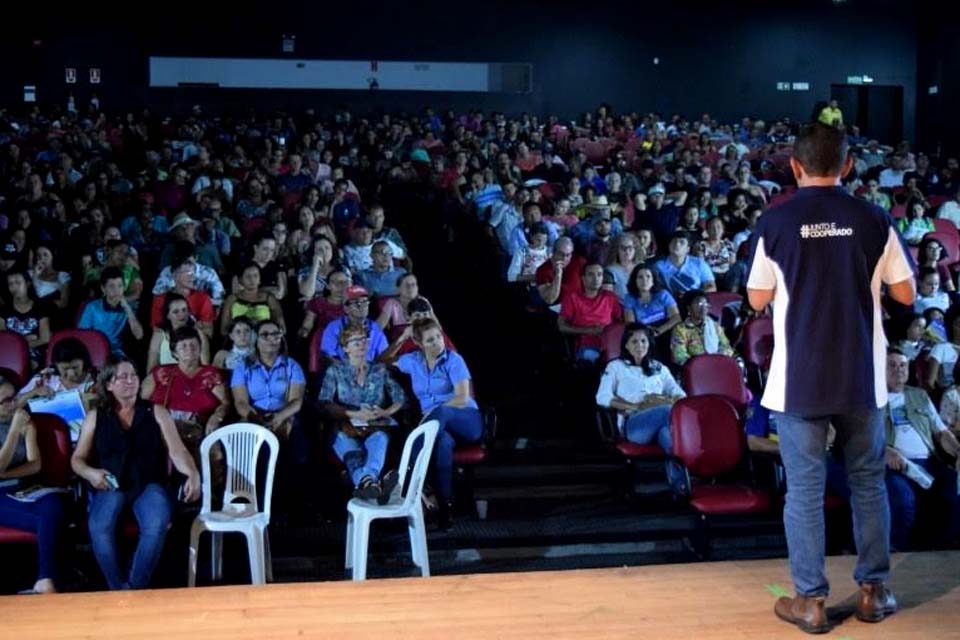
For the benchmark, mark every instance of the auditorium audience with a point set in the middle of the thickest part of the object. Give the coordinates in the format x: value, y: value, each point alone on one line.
x: 156, y: 197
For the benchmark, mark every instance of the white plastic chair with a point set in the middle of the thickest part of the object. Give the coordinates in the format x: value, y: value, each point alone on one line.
x: 241, y: 443
x: 360, y: 513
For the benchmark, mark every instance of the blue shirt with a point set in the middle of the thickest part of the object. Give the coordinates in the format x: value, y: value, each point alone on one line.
x: 583, y: 232
x: 826, y: 254
x: 380, y: 284
x: 691, y: 275
x: 267, y: 389
x: 110, y: 321
x: 132, y: 232
x: 653, y: 312
x: 330, y: 340
x: 434, y: 388
x: 487, y: 196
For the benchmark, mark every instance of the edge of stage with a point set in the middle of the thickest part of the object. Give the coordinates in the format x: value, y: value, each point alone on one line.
x: 699, y: 600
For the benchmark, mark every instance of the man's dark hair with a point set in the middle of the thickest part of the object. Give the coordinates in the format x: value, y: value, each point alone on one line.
x: 821, y: 149
x: 109, y: 273
x: 70, y: 349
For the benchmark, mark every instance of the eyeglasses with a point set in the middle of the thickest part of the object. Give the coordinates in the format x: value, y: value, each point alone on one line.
x: 270, y: 335
x: 357, y: 303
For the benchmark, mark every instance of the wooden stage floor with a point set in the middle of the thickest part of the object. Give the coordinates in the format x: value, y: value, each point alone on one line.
x: 684, y: 601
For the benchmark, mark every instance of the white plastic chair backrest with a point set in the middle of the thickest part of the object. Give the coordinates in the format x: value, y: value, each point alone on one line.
x: 241, y: 443
x: 427, y: 432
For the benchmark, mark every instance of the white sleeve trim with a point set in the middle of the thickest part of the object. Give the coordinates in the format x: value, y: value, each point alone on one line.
x: 762, y: 275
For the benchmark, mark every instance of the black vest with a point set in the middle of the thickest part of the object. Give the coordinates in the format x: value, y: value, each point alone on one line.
x: 136, y: 456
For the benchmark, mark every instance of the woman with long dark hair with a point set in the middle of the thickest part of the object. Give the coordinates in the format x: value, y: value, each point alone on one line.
x: 176, y: 315
x: 20, y: 457
x: 27, y: 316
x: 640, y: 389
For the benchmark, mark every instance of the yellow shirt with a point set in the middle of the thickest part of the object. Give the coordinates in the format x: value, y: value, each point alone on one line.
x: 830, y: 116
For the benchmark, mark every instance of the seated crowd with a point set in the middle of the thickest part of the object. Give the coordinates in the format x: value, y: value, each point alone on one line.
x: 218, y: 257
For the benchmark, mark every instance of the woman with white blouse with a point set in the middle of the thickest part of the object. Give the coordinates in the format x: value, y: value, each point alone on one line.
x: 640, y: 389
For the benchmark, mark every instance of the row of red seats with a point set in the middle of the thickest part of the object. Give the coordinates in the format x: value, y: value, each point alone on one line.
x: 15, y: 354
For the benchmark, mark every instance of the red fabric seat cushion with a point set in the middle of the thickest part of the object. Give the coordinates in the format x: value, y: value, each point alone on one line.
x: 14, y: 536
x: 634, y: 450
x: 728, y: 499
x: 470, y: 454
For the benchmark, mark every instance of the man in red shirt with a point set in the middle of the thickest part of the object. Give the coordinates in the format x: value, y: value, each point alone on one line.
x: 561, y: 273
x: 587, y: 313
x: 198, y: 301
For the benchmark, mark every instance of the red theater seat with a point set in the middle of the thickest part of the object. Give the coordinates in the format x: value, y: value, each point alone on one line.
x: 718, y: 300
x: 14, y: 357
x: 469, y: 454
x: 716, y: 374
x: 709, y: 442
x: 950, y: 242
x: 96, y: 343
x: 757, y: 347
x: 53, y: 439
x: 610, y: 341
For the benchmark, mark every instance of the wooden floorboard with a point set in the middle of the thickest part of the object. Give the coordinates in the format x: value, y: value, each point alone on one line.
x: 683, y: 601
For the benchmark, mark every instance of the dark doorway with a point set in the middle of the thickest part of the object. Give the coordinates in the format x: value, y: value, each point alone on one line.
x: 876, y: 109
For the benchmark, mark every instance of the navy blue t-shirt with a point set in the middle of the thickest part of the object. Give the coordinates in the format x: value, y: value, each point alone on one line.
x: 826, y: 253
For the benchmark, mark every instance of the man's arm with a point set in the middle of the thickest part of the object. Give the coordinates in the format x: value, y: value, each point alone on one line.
x: 760, y: 298
x: 903, y: 292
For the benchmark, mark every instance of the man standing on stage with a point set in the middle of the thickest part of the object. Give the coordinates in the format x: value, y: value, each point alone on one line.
x: 821, y: 259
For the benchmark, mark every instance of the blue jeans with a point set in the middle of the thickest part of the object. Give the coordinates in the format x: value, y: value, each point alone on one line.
x: 650, y: 425
x: 362, y: 457
x: 904, y: 493
x: 44, y: 518
x: 803, y: 442
x: 456, y: 424
x: 152, y: 509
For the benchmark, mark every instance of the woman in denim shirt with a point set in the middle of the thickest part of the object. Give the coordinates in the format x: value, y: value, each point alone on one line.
x: 441, y: 382
x: 355, y: 396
